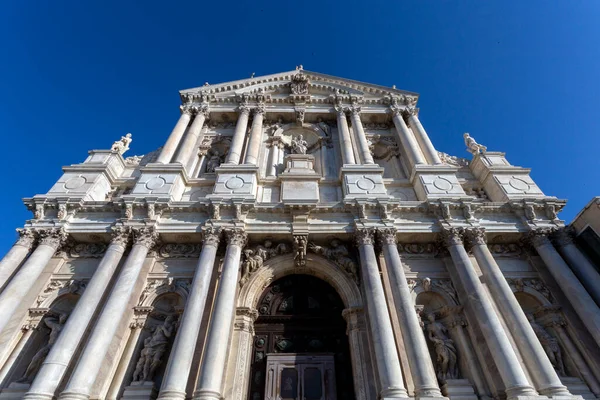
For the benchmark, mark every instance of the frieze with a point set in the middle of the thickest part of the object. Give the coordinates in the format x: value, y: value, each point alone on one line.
x: 180, y: 250
x: 519, y: 285
x: 409, y: 250
x: 87, y: 250
x: 505, y: 249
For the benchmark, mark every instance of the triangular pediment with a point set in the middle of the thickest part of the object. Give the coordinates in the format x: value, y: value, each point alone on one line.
x: 293, y: 87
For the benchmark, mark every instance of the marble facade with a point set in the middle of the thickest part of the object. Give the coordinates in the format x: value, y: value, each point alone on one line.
x: 139, y: 277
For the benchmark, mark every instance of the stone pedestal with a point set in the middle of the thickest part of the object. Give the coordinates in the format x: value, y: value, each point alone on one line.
x: 577, y: 388
x: 161, y: 180
x: 140, y: 391
x: 459, y: 389
x: 14, y: 391
x: 235, y: 181
x: 299, y: 181
x: 434, y: 182
x: 363, y: 181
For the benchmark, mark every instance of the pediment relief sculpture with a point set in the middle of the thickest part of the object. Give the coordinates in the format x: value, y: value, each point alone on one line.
x: 338, y: 253
x: 254, y: 257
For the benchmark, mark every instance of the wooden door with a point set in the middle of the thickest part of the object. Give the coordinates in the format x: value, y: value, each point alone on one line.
x: 300, y: 377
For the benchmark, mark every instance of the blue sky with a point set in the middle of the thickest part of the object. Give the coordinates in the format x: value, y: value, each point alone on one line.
x: 521, y: 77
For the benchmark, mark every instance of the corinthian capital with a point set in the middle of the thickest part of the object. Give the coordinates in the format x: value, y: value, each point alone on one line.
x: 386, y: 236
x: 244, y: 109
x: 203, y: 110
x: 260, y: 109
x: 355, y: 110
x: 396, y: 110
x: 452, y: 236
x: 539, y: 237
x: 475, y: 236
x: 340, y: 109
x: 26, y: 238
x: 236, y: 237
x: 564, y: 236
x: 53, y: 237
x: 212, y: 236
x: 146, y: 237
x: 187, y: 108
x: 364, y: 236
x: 410, y: 111
x: 121, y: 235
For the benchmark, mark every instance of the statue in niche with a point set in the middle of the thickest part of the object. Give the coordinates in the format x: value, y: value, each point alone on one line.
x: 55, y: 324
x: 550, y: 345
x: 255, y: 257
x: 122, y: 145
x: 446, y: 362
x: 472, y: 146
x: 299, y: 145
x: 214, y: 161
x: 155, y: 347
x: 339, y: 254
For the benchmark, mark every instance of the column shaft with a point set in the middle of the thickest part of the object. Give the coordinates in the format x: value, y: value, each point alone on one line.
x: 361, y: 138
x: 93, y: 354
x: 237, y: 144
x: 219, y: 334
x: 384, y: 346
x: 421, y: 366
x: 344, y: 134
x: 273, y: 159
x: 188, y: 145
x: 55, y: 365
x: 175, y: 137
x: 180, y: 361
x: 255, y: 137
x: 422, y: 137
x: 407, y: 139
x: 582, y: 302
x: 22, y: 282
x: 506, y: 360
x: 544, y: 376
x: 15, y: 256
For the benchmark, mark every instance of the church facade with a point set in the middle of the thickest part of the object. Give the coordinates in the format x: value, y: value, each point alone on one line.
x: 297, y: 236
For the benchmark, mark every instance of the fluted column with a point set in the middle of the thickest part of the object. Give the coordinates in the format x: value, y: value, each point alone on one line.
x: 384, y: 346
x: 359, y: 348
x: 237, y: 143
x: 361, y: 138
x: 581, y: 300
x: 94, y: 352
x: 16, y: 255
x: 422, y: 137
x: 255, y: 136
x: 18, y: 287
x: 55, y: 365
x: 180, y: 360
x: 344, y: 134
x: 212, y: 369
x: 188, y: 145
x: 421, y: 366
x: 544, y: 376
x: 509, y: 367
x: 407, y: 138
x: 581, y: 266
x: 243, y: 335
x: 176, y: 134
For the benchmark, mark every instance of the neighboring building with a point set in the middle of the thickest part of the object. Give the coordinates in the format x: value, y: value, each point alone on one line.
x: 586, y: 227
x: 298, y: 236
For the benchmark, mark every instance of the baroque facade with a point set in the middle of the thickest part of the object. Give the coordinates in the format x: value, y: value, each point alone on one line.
x: 297, y: 236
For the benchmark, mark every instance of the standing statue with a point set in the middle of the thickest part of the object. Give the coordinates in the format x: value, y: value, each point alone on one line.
x: 550, y: 345
x: 121, y: 146
x: 299, y: 145
x: 339, y: 254
x: 155, y: 347
x: 472, y: 146
x: 213, y: 162
x: 56, y: 326
x: 446, y: 361
x: 300, y: 243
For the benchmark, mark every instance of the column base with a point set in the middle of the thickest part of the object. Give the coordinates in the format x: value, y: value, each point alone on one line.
x: 73, y: 396
x: 391, y: 393
x: 37, y: 396
x: 459, y: 389
x: 523, y: 393
x: 577, y: 388
x: 140, y: 391
x: 556, y: 392
x: 171, y: 395
x: 15, y: 391
x: 428, y: 393
x: 206, y: 394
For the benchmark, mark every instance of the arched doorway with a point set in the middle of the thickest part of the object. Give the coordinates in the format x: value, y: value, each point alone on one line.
x: 300, y: 315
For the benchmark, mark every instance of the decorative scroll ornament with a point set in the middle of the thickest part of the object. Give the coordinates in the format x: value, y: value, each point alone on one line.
x: 383, y: 147
x: 453, y: 160
x: 255, y: 257
x: 472, y: 146
x: 299, y: 84
x: 146, y: 237
x: 122, y: 145
x: 26, y: 238
x: 53, y: 237
x: 87, y: 250
x: 300, y: 246
x: 551, y: 212
x: 339, y: 254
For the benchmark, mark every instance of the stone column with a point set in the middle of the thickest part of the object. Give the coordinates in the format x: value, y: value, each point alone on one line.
x: 355, y: 329
x: 187, y: 149
x: 55, y: 365
x: 237, y: 144
x: 255, y: 136
x: 173, y: 141
x: 180, y: 360
x: 18, y: 287
x: 544, y: 376
x: 212, y: 369
x: 581, y: 266
x: 361, y: 138
x: 94, y: 352
x: 243, y: 327
x: 384, y: 346
x: 421, y: 366
x: 509, y: 367
x: 273, y: 157
x: 581, y: 300
x: 16, y: 255
x: 422, y: 137
x: 407, y: 138
x: 344, y: 134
